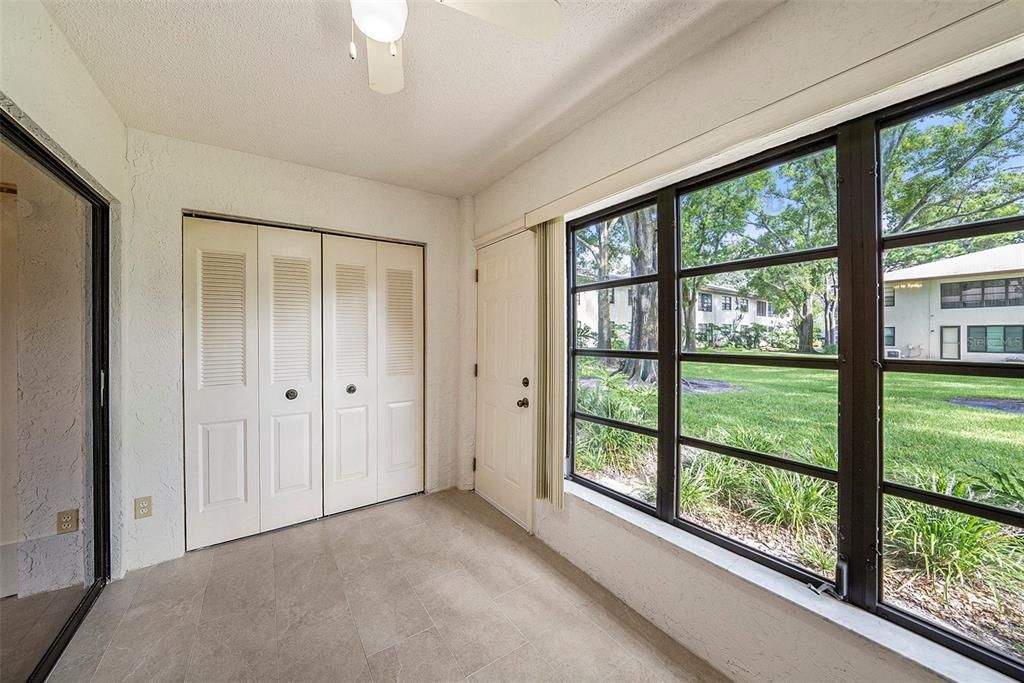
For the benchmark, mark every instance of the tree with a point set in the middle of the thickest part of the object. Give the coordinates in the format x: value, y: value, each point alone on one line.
x: 642, y: 228
x: 955, y: 166
x: 712, y: 222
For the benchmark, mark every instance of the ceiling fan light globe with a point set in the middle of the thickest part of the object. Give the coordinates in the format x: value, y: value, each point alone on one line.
x: 381, y: 20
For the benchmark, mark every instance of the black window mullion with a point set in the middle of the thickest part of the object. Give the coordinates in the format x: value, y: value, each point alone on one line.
x: 859, y: 379
x: 668, y: 343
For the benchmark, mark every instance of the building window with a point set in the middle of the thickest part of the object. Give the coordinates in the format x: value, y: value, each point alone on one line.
x: 744, y: 304
x: 995, y: 338
x: 759, y: 459
x: 726, y: 302
x: 982, y: 293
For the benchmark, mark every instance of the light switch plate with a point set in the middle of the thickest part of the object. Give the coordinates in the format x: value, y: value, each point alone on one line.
x: 143, y: 507
x: 67, y: 521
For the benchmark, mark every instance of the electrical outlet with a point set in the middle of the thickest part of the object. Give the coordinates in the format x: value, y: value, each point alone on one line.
x: 67, y: 521
x: 143, y: 507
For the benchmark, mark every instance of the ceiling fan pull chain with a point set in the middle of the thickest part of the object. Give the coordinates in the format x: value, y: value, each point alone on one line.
x: 352, y: 41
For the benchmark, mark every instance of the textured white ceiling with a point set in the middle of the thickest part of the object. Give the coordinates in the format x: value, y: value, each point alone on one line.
x: 274, y: 78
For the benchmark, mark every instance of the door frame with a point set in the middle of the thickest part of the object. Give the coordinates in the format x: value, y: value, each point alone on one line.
x: 248, y: 220
x: 959, y: 350
x: 539, y: 392
x: 18, y: 137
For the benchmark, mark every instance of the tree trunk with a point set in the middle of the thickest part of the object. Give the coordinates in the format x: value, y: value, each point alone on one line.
x: 604, y: 305
x: 805, y: 328
x: 688, y: 301
x: 643, y: 324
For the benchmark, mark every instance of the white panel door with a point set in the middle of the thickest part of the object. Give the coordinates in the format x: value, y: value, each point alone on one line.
x: 506, y: 350
x: 291, y: 378
x: 400, y: 370
x: 350, y: 373
x: 222, y: 469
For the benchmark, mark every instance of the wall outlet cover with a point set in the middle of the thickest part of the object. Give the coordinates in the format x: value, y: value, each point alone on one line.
x: 67, y: 521
x: 143, y: 507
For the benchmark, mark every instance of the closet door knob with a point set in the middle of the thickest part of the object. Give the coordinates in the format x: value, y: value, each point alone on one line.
x: 350, y: 389
x: 291, y: 394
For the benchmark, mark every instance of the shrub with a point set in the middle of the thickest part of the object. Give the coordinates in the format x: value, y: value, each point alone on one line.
x: 782, y: 498
x: 697, y: 490
x: 1000, y: 488
x: 950, y: 546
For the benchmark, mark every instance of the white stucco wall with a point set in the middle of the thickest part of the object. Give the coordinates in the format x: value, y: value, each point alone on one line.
x: 795, y: 63
x: 168, y: 176
x: 53, y: 439
x: 918, y: 317
x: 750, y: 622
x: 44, y: 77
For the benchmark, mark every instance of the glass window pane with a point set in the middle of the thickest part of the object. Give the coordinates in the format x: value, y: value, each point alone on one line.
x: 618, y: 318
x: 959, y: 435
x: 962, y: 572
x: 624, y: 246
x: 623, y: 461
x: 788, y: 207
x: 796, y: 310
x: 623, y: 389
x: 955, y: 166
x: 969, y: 284
x: 788, y: 515
x: 789, y: 412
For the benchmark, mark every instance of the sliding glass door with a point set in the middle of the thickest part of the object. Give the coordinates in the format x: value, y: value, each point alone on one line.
x: 53, y: 469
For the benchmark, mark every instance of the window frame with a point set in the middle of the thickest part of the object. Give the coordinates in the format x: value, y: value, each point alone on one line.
x: 986, y: 337
x: 861, y: 364
x: 983, y: 299
x: 889, y: 339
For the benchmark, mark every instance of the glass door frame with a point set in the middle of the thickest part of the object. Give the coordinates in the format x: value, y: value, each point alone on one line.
x: 15, y: 135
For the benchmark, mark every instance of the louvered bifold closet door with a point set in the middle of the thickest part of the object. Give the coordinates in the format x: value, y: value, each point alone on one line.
x: 291, y: 438
x: 222, y: 470
x: 400, y: 370
x: 350, y: 373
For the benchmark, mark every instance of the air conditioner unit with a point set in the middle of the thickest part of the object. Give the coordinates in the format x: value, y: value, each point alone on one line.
x: 892, y: 352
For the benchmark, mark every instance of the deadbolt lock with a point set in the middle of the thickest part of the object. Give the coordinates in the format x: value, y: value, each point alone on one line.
x: 526, y: 381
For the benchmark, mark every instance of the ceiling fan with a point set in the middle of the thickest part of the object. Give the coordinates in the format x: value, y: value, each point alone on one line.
x: 382, y: 22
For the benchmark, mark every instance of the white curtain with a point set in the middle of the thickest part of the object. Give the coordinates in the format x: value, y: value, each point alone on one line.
x: 551, y: 361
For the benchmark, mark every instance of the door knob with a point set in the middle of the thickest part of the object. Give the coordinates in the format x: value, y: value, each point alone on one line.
x: 350, y: 389
x: 523, y: 403
x: 291, y: 394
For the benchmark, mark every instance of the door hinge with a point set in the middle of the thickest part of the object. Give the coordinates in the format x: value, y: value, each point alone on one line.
x: 476, y: 370
x: 474, y: 464
x: 476, y: 275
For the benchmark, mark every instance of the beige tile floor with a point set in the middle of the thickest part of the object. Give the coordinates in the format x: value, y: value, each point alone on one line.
x: 428, y: 588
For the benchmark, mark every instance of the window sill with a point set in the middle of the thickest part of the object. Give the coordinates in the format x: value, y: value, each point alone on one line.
x: 912, y: 647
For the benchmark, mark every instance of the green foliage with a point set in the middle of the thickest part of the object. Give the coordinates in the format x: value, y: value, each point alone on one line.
x: 947, y: 546
x: 782, y: 498
x: 955, y: 166
x: 1000, y: 487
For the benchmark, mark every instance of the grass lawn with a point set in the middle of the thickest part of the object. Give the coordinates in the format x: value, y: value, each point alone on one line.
x: 793, y: 413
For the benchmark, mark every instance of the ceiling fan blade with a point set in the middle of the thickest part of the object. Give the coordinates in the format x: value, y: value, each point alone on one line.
x: 537, y: 19
x: 386, y: 73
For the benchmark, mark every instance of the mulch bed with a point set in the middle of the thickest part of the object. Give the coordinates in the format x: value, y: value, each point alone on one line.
x: 1006, y: 405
